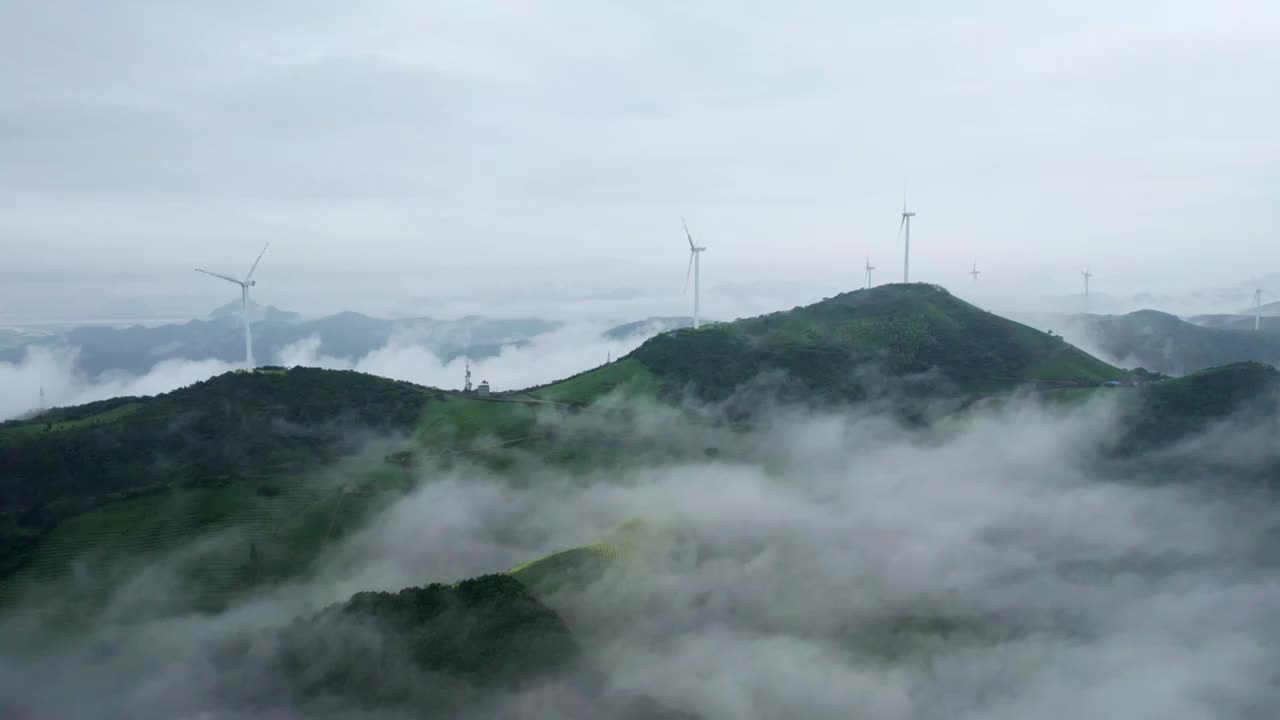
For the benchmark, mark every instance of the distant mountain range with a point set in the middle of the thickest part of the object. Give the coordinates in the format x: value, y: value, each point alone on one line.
x: 1184, y: 303
x: 1267, y: 324
x: 648, y: 326
x: 1168, y: 344
x: 346, y: 335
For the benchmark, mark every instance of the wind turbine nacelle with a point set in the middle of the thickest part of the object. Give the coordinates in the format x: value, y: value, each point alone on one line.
x: 252, y: 283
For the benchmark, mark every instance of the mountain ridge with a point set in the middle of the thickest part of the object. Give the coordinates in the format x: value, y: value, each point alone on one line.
x: 122, y: 466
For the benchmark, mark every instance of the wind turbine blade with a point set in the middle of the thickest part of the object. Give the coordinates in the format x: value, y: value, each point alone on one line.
x: 687, y: 234
x: 687, y: 272
x: 224, y: 277
x: 249, y: 277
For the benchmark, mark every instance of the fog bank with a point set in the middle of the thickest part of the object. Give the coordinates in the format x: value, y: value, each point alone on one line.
x: 820, y: 563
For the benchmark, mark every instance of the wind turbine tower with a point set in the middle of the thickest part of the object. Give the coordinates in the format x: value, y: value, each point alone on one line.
x: 695, y: 252
x: 870, y: 267
x: 1257, y: 310
x: 975, y: 272
x: 1086, y: 274
x: 906, y: 252
x: 244, y: 284
x: 466, y: 387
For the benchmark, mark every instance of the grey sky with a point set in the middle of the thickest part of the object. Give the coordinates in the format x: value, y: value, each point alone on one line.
x: 413, y: 143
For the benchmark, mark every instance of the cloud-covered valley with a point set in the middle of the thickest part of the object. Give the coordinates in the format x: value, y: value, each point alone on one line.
x: 816, y: 566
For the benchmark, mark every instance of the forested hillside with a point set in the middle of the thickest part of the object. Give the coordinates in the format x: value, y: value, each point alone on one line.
x: 898, y: 330
x: 237, y: 427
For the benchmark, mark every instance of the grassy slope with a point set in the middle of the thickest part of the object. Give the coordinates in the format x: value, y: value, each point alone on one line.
x: 629, y: 546
x: 628, y: 375
x: 460, y: 421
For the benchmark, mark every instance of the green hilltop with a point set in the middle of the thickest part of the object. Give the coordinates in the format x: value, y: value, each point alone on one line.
x: 1165, y: 412
x: 900, y: 340
x: 904, y: 329
x: 482, y: 634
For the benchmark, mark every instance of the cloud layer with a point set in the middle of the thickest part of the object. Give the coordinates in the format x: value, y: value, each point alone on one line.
x: 551, y: 356
x: 821, y: 563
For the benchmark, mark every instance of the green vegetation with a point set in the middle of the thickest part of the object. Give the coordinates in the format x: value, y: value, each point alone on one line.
x: 1167, y: 411
x: 626, y: 375
x: 230, y: 537
x: 572, y: 569
x: 458, y: 421
x: 901, y: 330
x: 74, y: 418
x: 462, y: 420
x: 629, y: 547
x: 446, y: 644
x: 225, y: 430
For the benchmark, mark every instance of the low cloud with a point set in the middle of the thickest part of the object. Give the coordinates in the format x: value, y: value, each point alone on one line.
x: 819, y: 564
x: 48, y: 375
x: 551, y: 356
x: 558, y: 354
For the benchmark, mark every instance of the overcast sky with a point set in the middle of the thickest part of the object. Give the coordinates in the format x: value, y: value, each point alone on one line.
x: 491, y: 149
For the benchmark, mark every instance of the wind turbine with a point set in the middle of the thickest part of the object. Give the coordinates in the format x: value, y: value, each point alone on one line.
x: 906, y: 252
x: 1086, y: 274
x: 694, y: 253
x: 1257, y: 310
x: 975, y: 272
x: 244, y: 284
x: 870, y: 267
